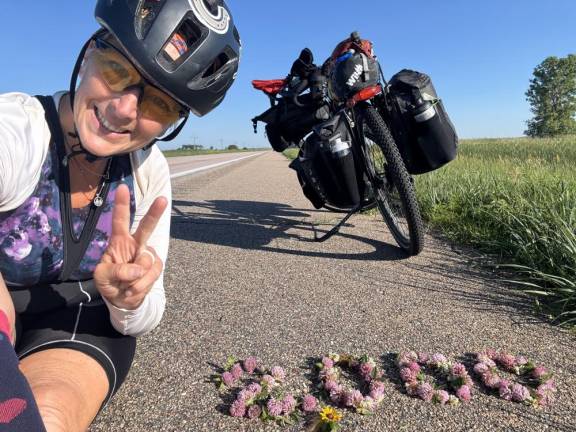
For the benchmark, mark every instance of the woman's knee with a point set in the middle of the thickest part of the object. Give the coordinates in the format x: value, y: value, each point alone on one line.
x: 68, y: 396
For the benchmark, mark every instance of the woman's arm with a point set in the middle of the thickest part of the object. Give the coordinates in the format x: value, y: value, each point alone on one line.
x: 7, y: 307
x: 152, y: 180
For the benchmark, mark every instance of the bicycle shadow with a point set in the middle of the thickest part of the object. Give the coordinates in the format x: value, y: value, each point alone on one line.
x: 258, y: 225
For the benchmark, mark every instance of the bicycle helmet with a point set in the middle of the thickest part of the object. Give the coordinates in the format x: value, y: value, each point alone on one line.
x: 203, y: 32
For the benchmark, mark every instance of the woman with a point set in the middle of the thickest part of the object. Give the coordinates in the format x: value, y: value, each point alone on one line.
x: 83, y: 195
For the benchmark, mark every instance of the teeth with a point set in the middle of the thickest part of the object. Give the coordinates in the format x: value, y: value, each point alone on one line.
x: 106, y: 124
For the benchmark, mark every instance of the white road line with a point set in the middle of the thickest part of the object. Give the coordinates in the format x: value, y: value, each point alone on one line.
x: 195, y: 170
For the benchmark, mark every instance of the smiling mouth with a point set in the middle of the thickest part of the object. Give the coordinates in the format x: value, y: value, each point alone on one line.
x: 106, y: 125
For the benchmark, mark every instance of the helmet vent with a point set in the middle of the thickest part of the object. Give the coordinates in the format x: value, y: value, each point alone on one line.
x: 186, y: 39
x: 146, y: 13
x: 216, y: 65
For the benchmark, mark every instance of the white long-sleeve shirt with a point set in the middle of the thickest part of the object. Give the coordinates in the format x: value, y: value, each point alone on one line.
x: 24, y: 141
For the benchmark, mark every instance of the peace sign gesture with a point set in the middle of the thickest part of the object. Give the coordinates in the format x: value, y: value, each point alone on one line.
x: 129, y: 267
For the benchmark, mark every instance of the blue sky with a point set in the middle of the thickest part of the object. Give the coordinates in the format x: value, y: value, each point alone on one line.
x: 480, y: 54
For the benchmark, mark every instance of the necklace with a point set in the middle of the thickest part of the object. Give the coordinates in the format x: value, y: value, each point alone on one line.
x: 97, y: 200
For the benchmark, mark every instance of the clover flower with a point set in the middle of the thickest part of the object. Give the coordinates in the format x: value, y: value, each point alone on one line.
x: 368, y: 404
x: 352, y: 398
x: 463, y: 393
x: 228, y: 379
x: 288, y: 404
x: 254, y: 388
x: 245, y: 395
x: 331, y: 385
x: 268, y: 381
x: 504, y: 390
x: 275, y: 407
x: 481, y: 368
x: 520, y: 393
x: 545, y: 393
x: 539, y: 372
x: 425, y: 392
x: 278, y: 373
x: 404, y: 359
x: 236, y: 371
x: 327, y: 362
x: 415, y: 367
x: 408, y: 375
x: 309, y: 404
x: 422, y: 357
x: 250, y: 365
x: 238, y: 408
x: 377, y: 386
x: 507, y: 361
x: 438, y: 359
x: 336, y: 395
x: 458, y: 369
x: 440, y: 396
x: 254, y: 411
x: 377, y: 391
x: 491, y: 380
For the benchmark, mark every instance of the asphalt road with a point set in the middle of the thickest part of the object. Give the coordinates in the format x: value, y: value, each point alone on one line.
x: 187, y: 165
x: 244, y: 278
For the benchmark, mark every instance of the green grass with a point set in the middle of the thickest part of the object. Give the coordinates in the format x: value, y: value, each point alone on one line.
x: 179, y: 152
x: 515, y: 199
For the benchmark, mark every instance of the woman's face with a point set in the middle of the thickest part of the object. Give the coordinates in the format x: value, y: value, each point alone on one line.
x: 110, y: 122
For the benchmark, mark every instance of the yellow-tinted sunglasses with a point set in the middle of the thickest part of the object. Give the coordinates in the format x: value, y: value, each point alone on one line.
x: 120, y: 74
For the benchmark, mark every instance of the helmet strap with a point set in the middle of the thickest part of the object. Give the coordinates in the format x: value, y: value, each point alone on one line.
x: 172, y: 134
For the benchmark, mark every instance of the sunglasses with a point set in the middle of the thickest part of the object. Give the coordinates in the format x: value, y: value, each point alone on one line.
x: 119, y: 74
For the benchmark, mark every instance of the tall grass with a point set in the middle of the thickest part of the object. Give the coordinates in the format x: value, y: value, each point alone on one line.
x: 515, y: 198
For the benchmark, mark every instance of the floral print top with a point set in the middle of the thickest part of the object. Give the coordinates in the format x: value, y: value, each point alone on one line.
x: 31, y: 237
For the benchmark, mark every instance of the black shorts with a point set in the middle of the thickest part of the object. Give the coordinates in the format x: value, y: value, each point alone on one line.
x: 74, y: 324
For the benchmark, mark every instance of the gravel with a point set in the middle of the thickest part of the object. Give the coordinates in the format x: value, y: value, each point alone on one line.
x: 245, y: 278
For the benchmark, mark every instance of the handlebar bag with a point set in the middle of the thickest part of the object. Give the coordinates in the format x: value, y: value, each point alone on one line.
x: 419, y: 123
x: 287, y: 123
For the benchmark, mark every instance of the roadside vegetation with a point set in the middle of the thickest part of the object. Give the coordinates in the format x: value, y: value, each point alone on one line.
x: 515, y: 199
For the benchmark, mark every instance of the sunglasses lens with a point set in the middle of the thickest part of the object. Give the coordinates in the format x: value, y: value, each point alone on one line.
x: 157, y: 105
x: 119, y: 74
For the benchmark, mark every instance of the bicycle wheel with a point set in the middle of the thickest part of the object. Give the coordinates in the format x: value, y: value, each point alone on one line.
x: 393, y: 189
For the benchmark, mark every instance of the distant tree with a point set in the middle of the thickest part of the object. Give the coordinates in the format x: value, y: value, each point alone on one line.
x: 232, y: 147
x: 552, y: 97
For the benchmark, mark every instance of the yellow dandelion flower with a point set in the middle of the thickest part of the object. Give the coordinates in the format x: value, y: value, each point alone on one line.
x: 329, y: 414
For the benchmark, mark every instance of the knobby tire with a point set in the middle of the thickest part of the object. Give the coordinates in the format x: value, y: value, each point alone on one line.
x: 397, y: 177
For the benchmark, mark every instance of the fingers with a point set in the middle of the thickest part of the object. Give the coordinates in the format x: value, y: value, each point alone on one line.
x: 121, y: 211
x: 150, y: 220
x: 142, y: 286
x: 146, y: 257
x: 112, y: 275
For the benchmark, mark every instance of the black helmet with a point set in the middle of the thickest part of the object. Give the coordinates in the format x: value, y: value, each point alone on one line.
x: 203, y: 32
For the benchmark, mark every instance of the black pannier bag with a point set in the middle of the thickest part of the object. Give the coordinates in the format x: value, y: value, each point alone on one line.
x: 326, y: 168
x: 287, y: 123
x: 419, y: 123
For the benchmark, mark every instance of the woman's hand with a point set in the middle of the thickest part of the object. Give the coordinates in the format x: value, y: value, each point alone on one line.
x: 129, y: 268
